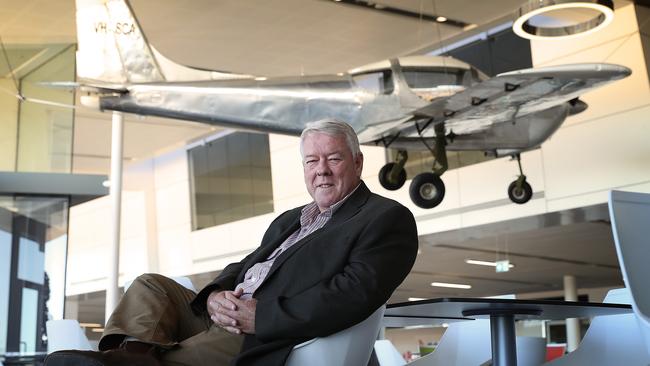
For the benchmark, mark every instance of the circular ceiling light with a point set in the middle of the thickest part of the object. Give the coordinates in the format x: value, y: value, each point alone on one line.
x: 558, y: 19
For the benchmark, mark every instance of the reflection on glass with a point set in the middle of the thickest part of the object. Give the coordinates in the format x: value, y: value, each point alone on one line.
x: 28, y: 320
x: 31, y: 261
x: 231, y: 179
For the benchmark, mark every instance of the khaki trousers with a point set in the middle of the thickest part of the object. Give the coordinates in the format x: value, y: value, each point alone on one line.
x: 155, y: 309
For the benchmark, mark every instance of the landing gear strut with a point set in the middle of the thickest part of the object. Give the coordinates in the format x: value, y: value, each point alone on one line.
x: 392, y: 175
x: 427, y: 190
x: 519, y: 190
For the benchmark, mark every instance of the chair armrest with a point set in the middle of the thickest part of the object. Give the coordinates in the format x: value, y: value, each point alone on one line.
x: 305, y: 343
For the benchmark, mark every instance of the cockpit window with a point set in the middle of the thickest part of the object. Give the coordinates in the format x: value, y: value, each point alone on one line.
x: 378, y: 82
x: 434, y: 77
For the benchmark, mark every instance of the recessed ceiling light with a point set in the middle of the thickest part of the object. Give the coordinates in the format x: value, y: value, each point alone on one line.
x: 98, y: 330
x: 450, y: 285
x: 484, y: 263
x: 261, y: 78
x: 90, y: 325
x: 441, y: 19
x: 541, y: 20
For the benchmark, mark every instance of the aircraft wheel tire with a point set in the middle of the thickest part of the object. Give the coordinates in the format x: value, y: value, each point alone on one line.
x: 520, y: 196
x: 387, y: 183
x: 427, y: 190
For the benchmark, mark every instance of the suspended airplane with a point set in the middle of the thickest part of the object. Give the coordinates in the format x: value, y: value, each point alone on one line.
x: 430, y: 103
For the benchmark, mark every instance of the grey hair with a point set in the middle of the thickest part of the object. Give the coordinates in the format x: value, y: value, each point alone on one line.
x: 333, y: 127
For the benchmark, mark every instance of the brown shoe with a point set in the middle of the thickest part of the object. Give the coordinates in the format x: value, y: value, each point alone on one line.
x: 117, y: 357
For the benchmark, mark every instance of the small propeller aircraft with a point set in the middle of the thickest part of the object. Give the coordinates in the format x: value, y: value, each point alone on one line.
x: 430, y: 103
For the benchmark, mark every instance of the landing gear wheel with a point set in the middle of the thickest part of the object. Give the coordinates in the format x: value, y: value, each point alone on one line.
x: 520, y: 195
x: 385, y: 180
x: 427, y: 190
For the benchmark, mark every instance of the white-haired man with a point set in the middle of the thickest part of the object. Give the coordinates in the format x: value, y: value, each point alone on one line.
x: 320, y: 268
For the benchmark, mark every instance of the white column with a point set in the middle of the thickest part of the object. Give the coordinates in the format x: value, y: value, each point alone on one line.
x: 115, y: 192
x: 572, y: 324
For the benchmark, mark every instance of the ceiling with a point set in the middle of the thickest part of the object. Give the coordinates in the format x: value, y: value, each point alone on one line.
x: 285, y: 37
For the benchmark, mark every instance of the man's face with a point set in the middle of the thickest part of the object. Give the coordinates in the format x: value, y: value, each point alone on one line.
x: 330, y: 170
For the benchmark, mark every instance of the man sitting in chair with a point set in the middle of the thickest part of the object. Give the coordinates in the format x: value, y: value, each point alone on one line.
x: 320, y: 268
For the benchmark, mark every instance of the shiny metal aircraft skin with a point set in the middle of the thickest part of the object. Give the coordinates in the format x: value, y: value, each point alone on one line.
x: 416, y: 102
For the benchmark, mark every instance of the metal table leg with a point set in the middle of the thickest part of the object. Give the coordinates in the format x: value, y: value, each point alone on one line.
x: 504, y: 346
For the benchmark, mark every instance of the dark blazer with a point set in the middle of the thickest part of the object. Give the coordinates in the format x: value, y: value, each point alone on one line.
x: 326, y: 282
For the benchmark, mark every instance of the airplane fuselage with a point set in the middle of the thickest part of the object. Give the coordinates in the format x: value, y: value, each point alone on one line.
x: 280, y: 105
x: 284, y: 105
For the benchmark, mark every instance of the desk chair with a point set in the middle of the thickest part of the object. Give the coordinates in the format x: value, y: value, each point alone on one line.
x: 349, y: 347
x: 65, y: 334
x: 629, y: 213
x: 613, y: 340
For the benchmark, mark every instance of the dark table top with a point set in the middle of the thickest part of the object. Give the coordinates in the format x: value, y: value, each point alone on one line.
x: 434, y: 310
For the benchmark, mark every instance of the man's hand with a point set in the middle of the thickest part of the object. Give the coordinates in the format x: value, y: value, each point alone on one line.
x: 231, y: 313
x: 218, y: 302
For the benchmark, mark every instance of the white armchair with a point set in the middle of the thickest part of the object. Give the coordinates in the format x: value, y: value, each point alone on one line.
x: 463, y: 343
x: 349, y: 347
x: 629, y: 213
x: 65, y: 334
x: 611, y: 340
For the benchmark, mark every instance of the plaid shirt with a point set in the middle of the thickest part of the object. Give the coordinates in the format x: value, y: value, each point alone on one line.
x: 311, y: 219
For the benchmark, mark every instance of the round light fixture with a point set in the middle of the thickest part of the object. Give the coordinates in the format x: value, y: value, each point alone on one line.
x: 558, y: 19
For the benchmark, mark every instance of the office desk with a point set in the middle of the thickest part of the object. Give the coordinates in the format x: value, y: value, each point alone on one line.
x: 502, y: 314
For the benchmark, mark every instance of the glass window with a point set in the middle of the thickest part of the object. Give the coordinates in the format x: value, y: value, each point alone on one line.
x: 45, y: 131
x: 36, y: 135
x: 231, y: 179
x: 431, y: 78
x: 33, y: 244
x: 5, y: 267
x: 8, y: 125
x: 380, y: 82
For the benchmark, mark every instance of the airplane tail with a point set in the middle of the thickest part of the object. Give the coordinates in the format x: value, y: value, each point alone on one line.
x: 113, y: 49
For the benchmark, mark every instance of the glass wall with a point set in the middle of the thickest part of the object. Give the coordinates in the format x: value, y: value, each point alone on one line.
x: 33, y: 244
x: 36, y: 133
x: 230, y: 179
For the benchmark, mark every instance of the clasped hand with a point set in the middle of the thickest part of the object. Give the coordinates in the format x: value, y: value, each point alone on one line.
x: 232, y: 313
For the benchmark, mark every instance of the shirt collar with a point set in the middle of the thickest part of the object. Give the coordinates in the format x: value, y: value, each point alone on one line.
x: 311, y: 211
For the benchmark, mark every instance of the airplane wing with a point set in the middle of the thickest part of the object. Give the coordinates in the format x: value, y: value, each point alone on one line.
x: 511, y: 95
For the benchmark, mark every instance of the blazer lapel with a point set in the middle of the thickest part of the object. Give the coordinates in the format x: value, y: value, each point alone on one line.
x: 263, y: 254
x: 349, y: 208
